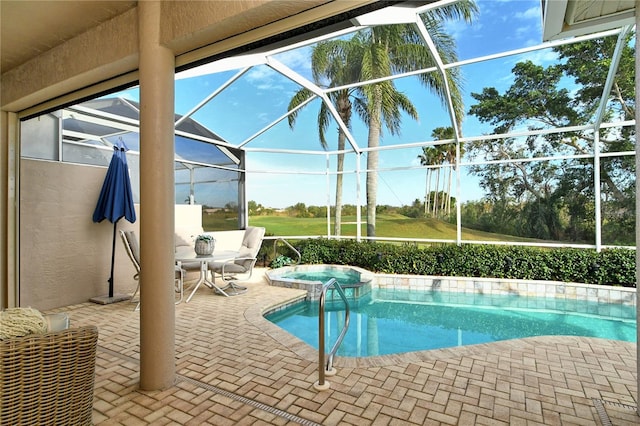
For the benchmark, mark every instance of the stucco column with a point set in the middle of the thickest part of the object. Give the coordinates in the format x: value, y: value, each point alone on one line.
x: 157, y: 310
x: 637, y: 204
x: 4, y: 212
x: 9, y: 164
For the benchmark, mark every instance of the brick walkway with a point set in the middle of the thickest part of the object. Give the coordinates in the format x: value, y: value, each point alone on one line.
x: 235, y: 368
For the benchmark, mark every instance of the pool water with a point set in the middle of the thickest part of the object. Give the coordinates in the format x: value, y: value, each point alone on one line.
x: 389, y: 322
x: 343, y: 277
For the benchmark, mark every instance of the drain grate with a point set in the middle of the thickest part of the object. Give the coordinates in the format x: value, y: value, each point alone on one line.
x: 118, y: 355
x: 251, y: 402
x: 602, y: 412
x: 618, y: 405
x: 231, y: 395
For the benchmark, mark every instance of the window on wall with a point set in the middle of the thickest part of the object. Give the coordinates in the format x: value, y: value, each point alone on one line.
x: 40, y: 137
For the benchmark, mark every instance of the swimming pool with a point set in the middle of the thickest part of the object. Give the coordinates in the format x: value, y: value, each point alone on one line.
x: 387, y: 322
x: 310, y: 278
x: 345, y: 277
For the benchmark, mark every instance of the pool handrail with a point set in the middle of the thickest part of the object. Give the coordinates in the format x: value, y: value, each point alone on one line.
x: 275, y: 249
x: 321, y: 384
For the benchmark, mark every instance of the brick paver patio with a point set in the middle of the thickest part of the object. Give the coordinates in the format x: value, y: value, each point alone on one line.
x: 235, y: 368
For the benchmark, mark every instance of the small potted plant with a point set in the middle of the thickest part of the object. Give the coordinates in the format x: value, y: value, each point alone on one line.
x: 205, y: 244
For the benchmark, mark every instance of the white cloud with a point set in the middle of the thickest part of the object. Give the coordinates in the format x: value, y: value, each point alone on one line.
x: 298, y: 60
x: 543, y: 57
x: 264, y: 117
x: 260, y: 74
x: 531, y: 13
x: 264, y: 79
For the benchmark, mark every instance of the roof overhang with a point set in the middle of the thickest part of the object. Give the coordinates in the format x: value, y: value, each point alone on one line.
x: 570, y: 18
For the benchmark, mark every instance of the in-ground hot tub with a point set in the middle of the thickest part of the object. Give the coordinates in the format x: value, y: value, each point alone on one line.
x: 312, y: 277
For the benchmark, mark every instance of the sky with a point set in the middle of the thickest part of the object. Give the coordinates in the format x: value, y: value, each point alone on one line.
x: 261, y: 95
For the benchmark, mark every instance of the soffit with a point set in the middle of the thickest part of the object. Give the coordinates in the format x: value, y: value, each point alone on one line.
x: 585, y: 11
x: 40, y: 35
x: 30, y: 28
x: 569, y: 18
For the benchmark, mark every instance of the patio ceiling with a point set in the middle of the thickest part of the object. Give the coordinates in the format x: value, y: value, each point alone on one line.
x: 30, y: 28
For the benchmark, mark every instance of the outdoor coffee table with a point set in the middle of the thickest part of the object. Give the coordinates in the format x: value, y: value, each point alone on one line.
x: 217, y: 256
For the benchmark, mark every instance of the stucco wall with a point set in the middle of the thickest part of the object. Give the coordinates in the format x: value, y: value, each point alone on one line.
x: 65, y: 257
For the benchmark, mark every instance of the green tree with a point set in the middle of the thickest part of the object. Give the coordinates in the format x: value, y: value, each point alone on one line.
x: 298, y: 210
x: 553, y: 196
x: 414, y: 210
x: 256, y: 209
x: 317, y: 211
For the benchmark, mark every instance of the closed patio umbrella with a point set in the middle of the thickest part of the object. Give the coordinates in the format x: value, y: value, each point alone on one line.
x: 114, y: 203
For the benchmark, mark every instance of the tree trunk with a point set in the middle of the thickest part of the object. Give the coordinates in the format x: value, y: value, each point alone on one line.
x: 427, y: 195
x: 372, y: 162
x: 443, y: 201
x: 435, y: 195
x: 340, y: 168
x: 449, y: 192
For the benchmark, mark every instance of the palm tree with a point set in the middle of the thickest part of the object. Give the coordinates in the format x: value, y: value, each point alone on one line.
x: 400, y: 48
x: 332, y: 66
x: 437, y: 159
x: 426, y: 159
x: 453, y: 166
x: 379, y: 52
x: 446, y: 153
x: 450, y: 158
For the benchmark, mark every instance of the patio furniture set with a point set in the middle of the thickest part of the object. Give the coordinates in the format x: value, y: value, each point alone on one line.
x: 233, y: 261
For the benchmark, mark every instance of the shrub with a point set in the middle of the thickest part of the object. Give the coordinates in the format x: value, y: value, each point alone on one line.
x: 609, y: 267
x: 280, y: 261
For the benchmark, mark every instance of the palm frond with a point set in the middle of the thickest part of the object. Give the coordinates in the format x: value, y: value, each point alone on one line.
x: 298, y: 99
x: 324, y: 118
x: 463, y: 9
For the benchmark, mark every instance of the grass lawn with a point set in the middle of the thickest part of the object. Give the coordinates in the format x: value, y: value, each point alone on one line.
x: 386, y: 226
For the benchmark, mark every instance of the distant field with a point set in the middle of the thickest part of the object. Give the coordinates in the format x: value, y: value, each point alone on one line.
x: 386, y: 226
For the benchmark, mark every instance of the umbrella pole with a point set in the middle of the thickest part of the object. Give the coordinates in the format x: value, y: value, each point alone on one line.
x: 113, y: 255
x: 111, y: 298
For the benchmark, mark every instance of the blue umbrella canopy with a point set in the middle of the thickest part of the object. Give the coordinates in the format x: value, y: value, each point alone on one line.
x: 116, y: 198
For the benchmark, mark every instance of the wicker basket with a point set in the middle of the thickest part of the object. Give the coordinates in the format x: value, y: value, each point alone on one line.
x: 48, y: 379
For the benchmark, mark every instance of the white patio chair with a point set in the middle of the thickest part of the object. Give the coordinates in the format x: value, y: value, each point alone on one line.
x: 133, y: 250
x: 239, y: 268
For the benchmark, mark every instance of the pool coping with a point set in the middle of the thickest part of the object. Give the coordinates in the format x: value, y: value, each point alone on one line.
x: 496, y: 286
x: 492, y: 286
x: 314, y: 288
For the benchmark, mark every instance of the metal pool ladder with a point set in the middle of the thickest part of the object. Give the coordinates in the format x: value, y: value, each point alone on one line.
x: 275, y: 249
x: 328, y: 370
